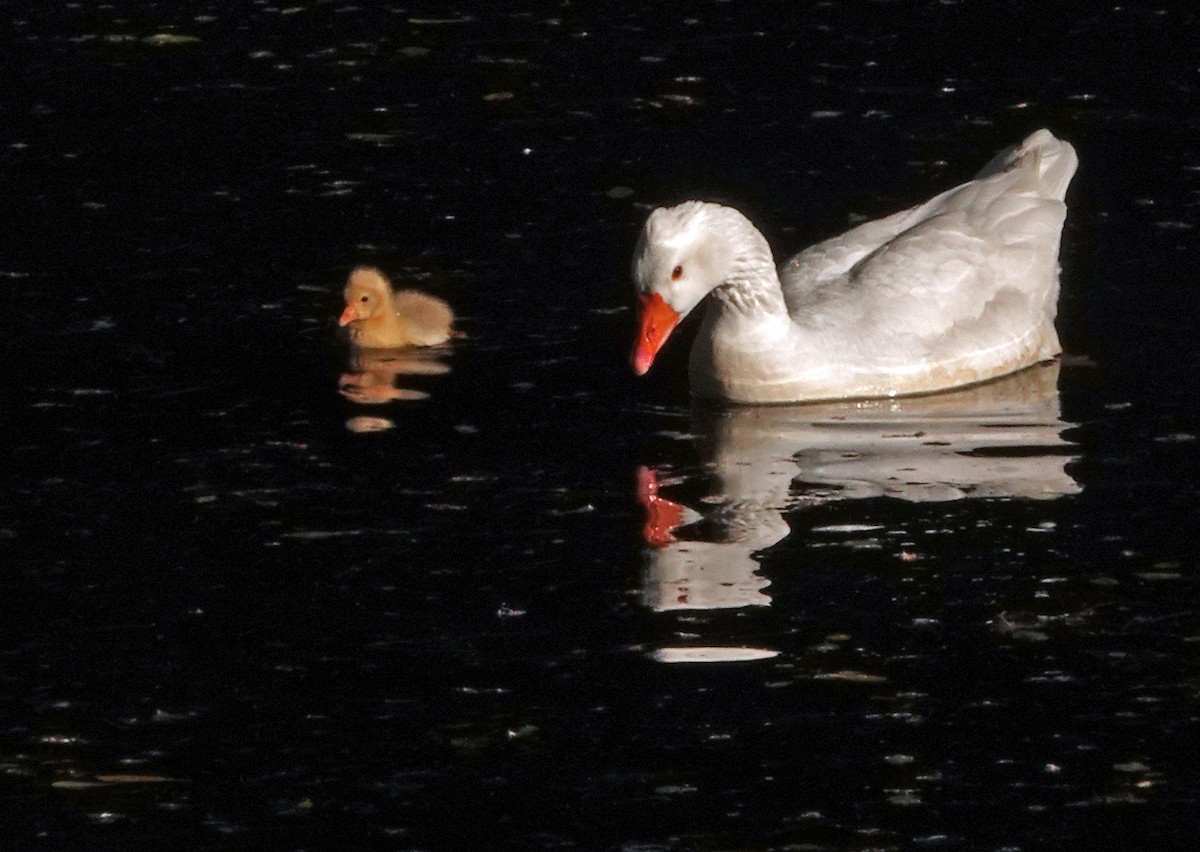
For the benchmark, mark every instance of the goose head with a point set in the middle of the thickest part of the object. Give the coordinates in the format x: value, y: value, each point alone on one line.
x: 367, y: 294
x: 683, y: 254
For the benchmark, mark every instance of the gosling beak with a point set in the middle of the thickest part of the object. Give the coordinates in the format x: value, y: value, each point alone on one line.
x: 656, y: 320
x: 348, y: 316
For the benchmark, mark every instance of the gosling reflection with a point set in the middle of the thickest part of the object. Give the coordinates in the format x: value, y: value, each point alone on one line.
x: 374, y: 374
x: 374, y: 377
x: 1002, y: 439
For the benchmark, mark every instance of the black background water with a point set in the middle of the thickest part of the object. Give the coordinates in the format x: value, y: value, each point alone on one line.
x: 434, y: 637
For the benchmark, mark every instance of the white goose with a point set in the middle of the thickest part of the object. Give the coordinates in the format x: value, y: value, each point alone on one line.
x: 958, y: 290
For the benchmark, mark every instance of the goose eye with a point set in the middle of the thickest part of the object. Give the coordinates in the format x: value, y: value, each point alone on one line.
x: 676, y: 273
x: 364, y: 298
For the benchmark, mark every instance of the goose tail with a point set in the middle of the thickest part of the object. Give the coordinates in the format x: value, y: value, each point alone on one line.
x: 1053, y: 162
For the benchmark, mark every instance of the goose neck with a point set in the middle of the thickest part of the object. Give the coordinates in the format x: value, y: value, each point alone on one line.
x: 752, y: 286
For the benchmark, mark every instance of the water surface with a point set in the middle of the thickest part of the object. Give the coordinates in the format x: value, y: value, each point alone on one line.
x: 259, y: 594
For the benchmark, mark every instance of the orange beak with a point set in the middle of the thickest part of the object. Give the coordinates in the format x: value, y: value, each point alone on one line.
x: 348, y: 316
x: 656, y: 321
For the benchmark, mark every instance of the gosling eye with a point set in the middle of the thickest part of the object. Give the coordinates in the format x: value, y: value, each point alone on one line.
x: 365, y: 298
x: 676, y: 273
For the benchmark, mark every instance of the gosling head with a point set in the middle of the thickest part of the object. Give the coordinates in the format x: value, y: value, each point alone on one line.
x: 367, y: 294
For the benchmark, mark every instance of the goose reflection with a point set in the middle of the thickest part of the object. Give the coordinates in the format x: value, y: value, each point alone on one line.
x: 1001, y: 439
x: 375, y: 376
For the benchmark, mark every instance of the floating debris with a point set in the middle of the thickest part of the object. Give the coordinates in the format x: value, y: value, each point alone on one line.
x: 373, y: 138
x: 164, y: 39
x: 318, y: 535
x: 853, y: 677
x: 848, y: 528
x: 434, y: 22
x: 76, y: 785
x: 125, y: 778
x: 674, y: 789
x: 1132, y: 766
x: 61, y: 739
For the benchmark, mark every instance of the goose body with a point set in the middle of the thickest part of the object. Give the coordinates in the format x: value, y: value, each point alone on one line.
x: 960, y: 289
x: 378, y: 317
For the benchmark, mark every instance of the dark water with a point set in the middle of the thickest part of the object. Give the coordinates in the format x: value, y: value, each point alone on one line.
x: 231, y: 622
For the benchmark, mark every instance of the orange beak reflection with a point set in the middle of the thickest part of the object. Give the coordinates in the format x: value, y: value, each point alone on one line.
x: 656, y: 321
